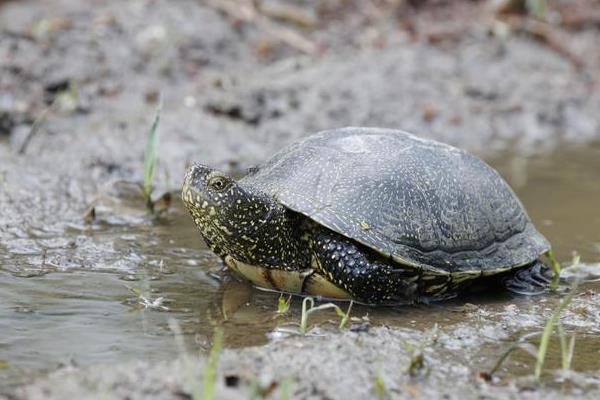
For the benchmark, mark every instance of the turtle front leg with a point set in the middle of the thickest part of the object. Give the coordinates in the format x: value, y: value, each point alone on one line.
x: 367, y: 276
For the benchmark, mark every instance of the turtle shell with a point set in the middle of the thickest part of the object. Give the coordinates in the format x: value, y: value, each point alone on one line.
x: 422, y: 203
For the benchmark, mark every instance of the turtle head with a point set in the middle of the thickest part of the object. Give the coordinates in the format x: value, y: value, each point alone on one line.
x: 227, y: 213
x: 208, y: 192
x: 241, y: 221
x: 218, y: 202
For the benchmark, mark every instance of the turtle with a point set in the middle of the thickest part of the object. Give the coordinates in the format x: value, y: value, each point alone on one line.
x: 373, y: 215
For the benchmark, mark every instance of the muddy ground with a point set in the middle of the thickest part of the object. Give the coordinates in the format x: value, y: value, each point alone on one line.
x: 451, y: 362
x: 79, y: 87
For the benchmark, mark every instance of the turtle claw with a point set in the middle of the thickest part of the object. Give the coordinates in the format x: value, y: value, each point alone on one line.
x: 530, y: 281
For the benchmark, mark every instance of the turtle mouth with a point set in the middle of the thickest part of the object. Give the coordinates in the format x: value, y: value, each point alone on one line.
x: 202, y: 210
x: 204, y: 220
x: 187, y: 192
x: 198, y: 205
x: 193, y: 189
x: 192, y: 194
x: 193, y: 199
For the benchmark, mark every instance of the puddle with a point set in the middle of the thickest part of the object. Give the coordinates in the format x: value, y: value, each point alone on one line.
x: 73, y: 296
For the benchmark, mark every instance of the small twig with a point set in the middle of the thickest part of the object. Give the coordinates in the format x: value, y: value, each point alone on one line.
x: 66, y: 100
x: 527, y: 347
x: 35, y: 128
x: 543, y: 33
x: 246, y: 11
x: 289, y: 13
x: 17, y: 35
x: 579, y: 18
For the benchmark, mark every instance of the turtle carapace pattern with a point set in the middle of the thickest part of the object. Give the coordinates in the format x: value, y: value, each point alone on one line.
x: 379, y: 216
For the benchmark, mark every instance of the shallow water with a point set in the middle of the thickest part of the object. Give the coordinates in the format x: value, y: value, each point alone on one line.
x: 74, y: 296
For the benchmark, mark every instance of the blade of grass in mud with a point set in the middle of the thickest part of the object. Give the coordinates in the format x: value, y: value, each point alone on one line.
x: 286, y: 387
x: 308, y: 307
x: 344, y: 317
x: 283, y: 304
x: 548, y: 328
x: 555, y: 267
x: 526, y: 347
x: 151, y: 156
x: 210, y: 369
x: 65, y: 101
x: 566, y: 349
x: 192, y: 387
x: 379, y: 385
x: 537, y: 8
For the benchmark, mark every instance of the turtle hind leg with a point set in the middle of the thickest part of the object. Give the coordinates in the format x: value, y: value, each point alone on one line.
x: 532, y: 279
x: 368, y: 277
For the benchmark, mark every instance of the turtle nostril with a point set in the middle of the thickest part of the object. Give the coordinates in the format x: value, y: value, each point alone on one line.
x: 197, y: 174
x: 193, y: 176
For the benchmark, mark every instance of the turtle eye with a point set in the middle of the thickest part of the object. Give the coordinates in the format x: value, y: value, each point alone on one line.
x: 218, y: 183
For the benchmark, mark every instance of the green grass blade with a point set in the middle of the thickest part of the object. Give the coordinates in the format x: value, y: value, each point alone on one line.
x: 344, y: 317
x: 308, y: 308
x: 555, y: 267
x: 527, y: 347
x: 537, y: 8
x: 305, y: 310
x: 151, y: 155
x: 191, y: 381
x: 563, y: 345
x: 210, y: 369
x: 380, y: 389
x: 570, y: 352
x: 554, y: 264
x: 566, y: 349
x: 543, y: 348
x: 286, y: 387
x: 283, y: 304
